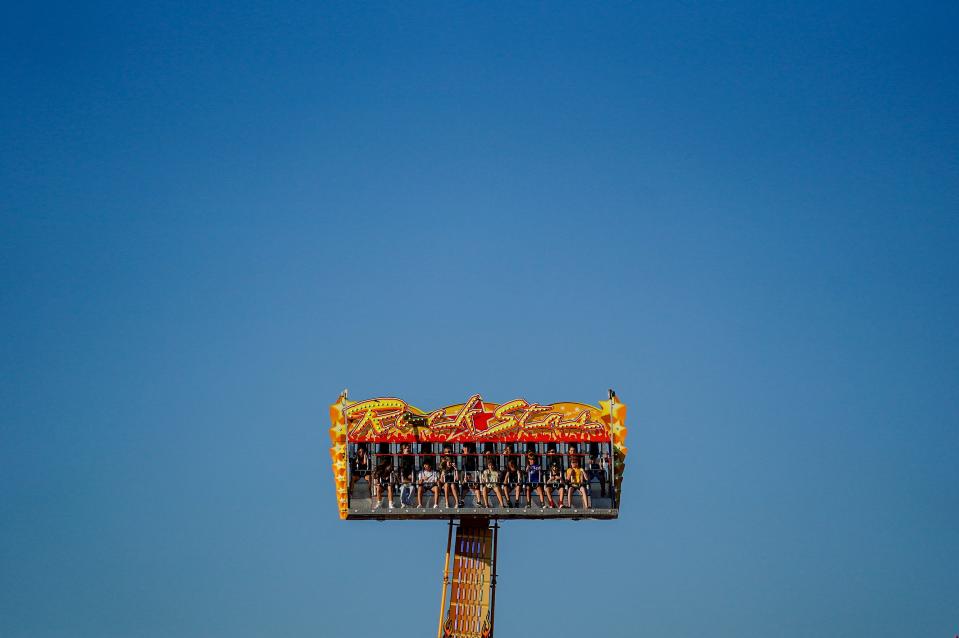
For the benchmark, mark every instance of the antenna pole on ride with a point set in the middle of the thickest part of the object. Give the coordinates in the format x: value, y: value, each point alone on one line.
x: 446, y: 579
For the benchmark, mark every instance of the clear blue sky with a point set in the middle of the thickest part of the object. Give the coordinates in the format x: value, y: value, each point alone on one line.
x: 743, y: 217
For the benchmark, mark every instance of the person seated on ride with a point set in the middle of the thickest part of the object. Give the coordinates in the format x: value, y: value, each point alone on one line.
x: 510, y: 455
x: 576, y: 478
x: 490, y: 480
x: 470, y: 476
x: 407, y: 477
x: 360, y: 465
x: 554, y: 481
x: 428, y: 480
x: 449, y: 476
x: 594, y: 470
x: 406, y: 458
x: 553, y: 457
x: 383, y: 479
x: 534, y: 481
x: 572, y: 452
x: 490, y: 457
x: 451, y: 455
x: 512, y: 480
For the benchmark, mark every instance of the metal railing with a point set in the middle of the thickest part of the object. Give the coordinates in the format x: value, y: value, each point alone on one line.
x: 401, y: 477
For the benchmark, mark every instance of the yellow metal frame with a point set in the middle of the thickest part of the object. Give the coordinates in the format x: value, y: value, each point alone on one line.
x: 469, y: 611
x: 612, y: 413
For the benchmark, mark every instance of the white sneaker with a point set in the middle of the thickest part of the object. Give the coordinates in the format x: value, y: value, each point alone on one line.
x: 435, y: 505
x: 391, y: 506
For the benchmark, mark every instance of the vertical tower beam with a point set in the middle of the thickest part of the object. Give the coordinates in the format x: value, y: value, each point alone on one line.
x: 472, y: 582
x: 492, y: 604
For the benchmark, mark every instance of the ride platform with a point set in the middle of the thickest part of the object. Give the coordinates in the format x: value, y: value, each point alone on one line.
x: 499, y: 513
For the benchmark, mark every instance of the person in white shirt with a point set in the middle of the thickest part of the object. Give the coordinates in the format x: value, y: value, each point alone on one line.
x: 428, y: 480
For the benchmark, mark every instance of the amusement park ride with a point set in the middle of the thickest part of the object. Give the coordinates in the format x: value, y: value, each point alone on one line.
x: 473, y: 464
